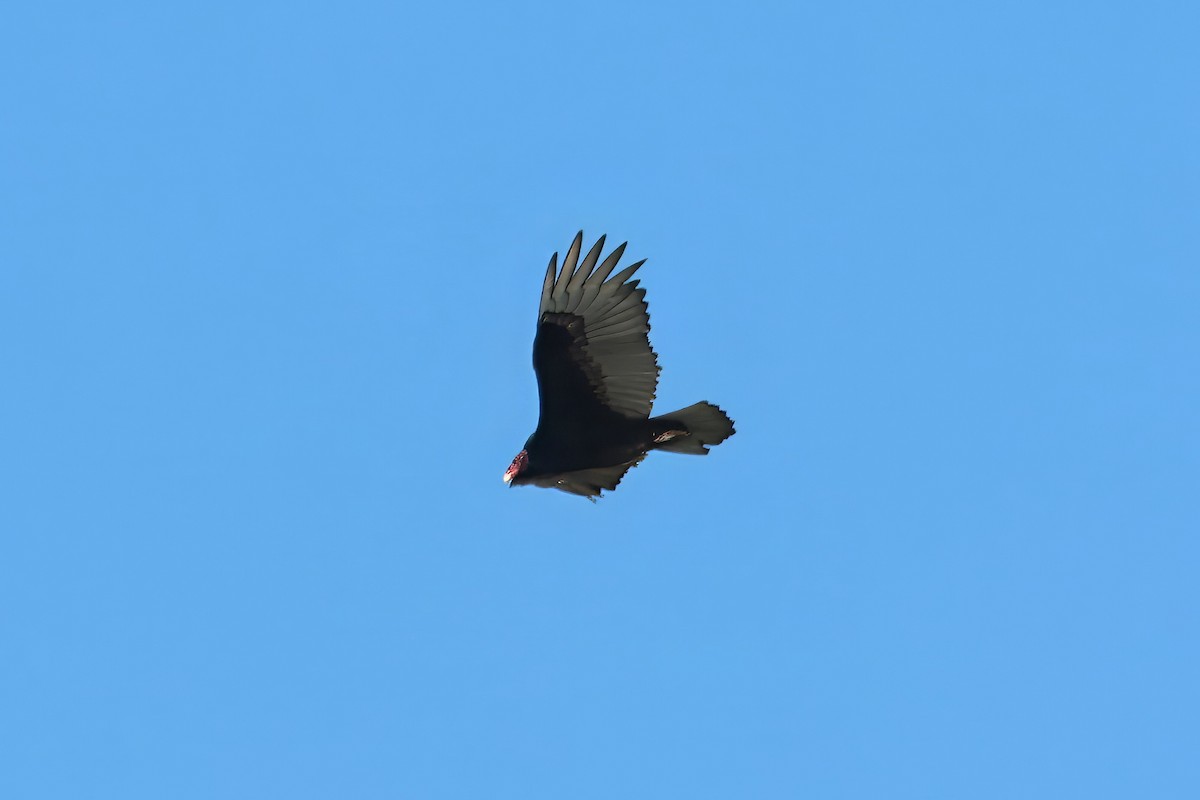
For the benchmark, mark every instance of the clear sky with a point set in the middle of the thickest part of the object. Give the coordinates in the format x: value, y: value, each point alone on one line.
x: 268, y: 283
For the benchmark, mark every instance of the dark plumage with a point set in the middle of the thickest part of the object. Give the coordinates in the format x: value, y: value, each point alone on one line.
x: 596, y: 378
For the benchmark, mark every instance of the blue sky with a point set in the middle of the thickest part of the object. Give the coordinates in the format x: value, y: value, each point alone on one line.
x: 268, y: 278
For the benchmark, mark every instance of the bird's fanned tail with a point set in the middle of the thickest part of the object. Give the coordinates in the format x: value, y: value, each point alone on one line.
x: 705, y: 424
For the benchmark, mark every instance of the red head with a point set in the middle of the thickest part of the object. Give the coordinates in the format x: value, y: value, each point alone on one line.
x: 516, y: 467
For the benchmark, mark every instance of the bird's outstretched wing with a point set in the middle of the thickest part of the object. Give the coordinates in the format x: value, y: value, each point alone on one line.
x: 588, y: 482
x: 592, y: 351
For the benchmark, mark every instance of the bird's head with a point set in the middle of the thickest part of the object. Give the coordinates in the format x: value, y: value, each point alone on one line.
x: 518, y: 465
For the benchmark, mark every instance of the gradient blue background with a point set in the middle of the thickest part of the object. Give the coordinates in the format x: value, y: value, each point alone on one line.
x: 268, y: 278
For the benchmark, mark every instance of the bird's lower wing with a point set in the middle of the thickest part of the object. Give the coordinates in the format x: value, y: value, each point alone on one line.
x: 590, y: 482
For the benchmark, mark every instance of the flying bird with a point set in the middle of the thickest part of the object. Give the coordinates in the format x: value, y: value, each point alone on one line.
x: 596, y: 375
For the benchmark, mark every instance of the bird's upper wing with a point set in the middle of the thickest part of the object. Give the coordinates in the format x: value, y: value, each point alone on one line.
x: 592, y: 349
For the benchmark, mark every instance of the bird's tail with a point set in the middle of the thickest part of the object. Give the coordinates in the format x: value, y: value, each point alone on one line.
x: 693, y: 429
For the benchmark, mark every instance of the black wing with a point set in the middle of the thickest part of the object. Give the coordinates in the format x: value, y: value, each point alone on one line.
x: 592, y: 351
x: 588, y: 482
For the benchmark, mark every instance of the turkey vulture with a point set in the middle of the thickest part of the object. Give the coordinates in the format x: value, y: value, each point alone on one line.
x: 596, y: 377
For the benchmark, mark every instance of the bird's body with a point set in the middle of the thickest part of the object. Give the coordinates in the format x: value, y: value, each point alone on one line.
x: 597, y: 376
